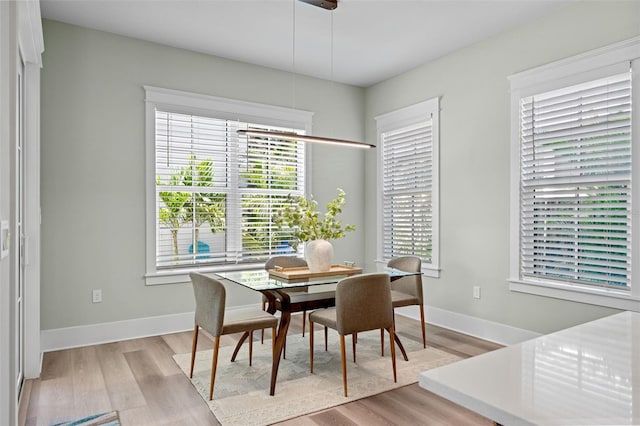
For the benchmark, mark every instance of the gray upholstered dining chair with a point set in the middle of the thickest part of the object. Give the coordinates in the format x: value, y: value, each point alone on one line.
x: 351, y: 315
x: 286, y: 262
x: 210, y: 296
x: 407, y: 291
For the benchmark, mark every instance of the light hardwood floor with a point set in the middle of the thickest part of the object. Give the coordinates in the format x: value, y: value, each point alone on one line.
x: 140, y: 379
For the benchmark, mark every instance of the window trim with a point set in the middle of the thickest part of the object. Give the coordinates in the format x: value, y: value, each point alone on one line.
x: 194, y: 103
x: 588, y: 66
x: 394, y: 120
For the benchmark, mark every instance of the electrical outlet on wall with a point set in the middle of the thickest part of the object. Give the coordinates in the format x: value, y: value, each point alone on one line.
x: 97, y: 295
x: 5, y: 239
x: 476, y: 292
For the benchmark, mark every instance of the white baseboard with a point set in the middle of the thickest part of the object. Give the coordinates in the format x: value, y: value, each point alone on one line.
x: 95, y: 334
x: 477, y: 327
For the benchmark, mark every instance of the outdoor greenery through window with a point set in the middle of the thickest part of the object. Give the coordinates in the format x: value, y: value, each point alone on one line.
x: 216, y: 191
x: 576, y: 183
x: 409, y: 183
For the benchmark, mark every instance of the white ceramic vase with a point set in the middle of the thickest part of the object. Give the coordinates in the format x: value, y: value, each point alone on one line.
x: 319, y: 254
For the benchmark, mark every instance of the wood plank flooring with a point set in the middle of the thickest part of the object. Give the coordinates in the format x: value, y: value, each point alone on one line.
x: 140, y: 380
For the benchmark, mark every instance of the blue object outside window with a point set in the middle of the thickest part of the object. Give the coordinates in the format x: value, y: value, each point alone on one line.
x: 202, y: 248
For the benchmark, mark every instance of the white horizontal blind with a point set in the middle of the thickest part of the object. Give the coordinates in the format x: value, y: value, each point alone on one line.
x: 407, y: 189
x: 216, y: 191
x: 191, y: 188
x: 576, y: 184
x: 269, y: 171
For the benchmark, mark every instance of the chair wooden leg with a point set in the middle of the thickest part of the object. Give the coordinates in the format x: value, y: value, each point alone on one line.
x: 304, y: 321
x: 193, y: 350
x: 251, y: 346
x: 264, y: 308
x: 311, y: 346
x: 393, y: 352
x: 424, y: 334
x: 381, y: 342
x: 354, y: 340
x: 326, y: 347
x: 214, y: 364
x: 394, y: 328
x: 343, y: 356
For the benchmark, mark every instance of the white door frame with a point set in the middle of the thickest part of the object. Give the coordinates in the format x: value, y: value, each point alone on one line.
x: 19, y: 231
x: 33, y: 355
x: 31, y: 45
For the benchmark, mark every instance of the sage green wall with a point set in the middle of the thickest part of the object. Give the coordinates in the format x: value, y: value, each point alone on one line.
x: 474, y: 157
x: 93, y: 215
x: 93, y: 195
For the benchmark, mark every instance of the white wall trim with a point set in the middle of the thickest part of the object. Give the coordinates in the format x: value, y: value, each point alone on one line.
x: 209, y: 106
x: 407, y: 116
x: 600, y: 63
x: 477, y: 327
x: 32, y: 230
x: 30, y: 36
x: 96, y: 334
x: 398, y: 119
x: 231, y: 109
x: 602, y: 58
x: 583, y: 294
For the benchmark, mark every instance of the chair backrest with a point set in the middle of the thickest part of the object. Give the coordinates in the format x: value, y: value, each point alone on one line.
x: 363, y: 302
x: 409, y: 285
x: 210, y: 298
x: 285, y: 262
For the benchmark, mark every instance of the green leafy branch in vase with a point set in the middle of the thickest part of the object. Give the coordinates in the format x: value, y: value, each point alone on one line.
x: 301, y: 215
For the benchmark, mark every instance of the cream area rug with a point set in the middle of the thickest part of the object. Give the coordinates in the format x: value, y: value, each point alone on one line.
x: 241, y: 393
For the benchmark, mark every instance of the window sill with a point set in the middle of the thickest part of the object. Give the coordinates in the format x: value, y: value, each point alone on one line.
x: 177, y: 276
x: 593, y: 296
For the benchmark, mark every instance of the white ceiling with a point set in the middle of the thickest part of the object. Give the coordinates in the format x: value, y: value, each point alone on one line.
x: 372, y: 39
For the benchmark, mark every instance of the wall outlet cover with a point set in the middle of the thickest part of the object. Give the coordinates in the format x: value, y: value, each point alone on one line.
x: 5, y: 239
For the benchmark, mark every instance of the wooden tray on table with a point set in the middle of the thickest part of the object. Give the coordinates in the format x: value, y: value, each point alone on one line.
x: 302, y: 274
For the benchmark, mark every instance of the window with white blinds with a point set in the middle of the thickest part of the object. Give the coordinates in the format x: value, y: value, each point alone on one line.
x: 408, y: 169
x: 406, y: 191
x: 214, y: 191
x: 576, y: 183
x: 574, y: 178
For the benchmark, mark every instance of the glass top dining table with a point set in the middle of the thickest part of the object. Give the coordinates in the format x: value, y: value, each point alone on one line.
x: 275, y: 289
x: 261, y: 280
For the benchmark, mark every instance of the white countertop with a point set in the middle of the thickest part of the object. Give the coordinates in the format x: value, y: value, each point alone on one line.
x: 584, y: 375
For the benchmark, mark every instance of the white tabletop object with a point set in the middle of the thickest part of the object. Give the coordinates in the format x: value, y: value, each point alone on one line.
x: 585, y: 375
